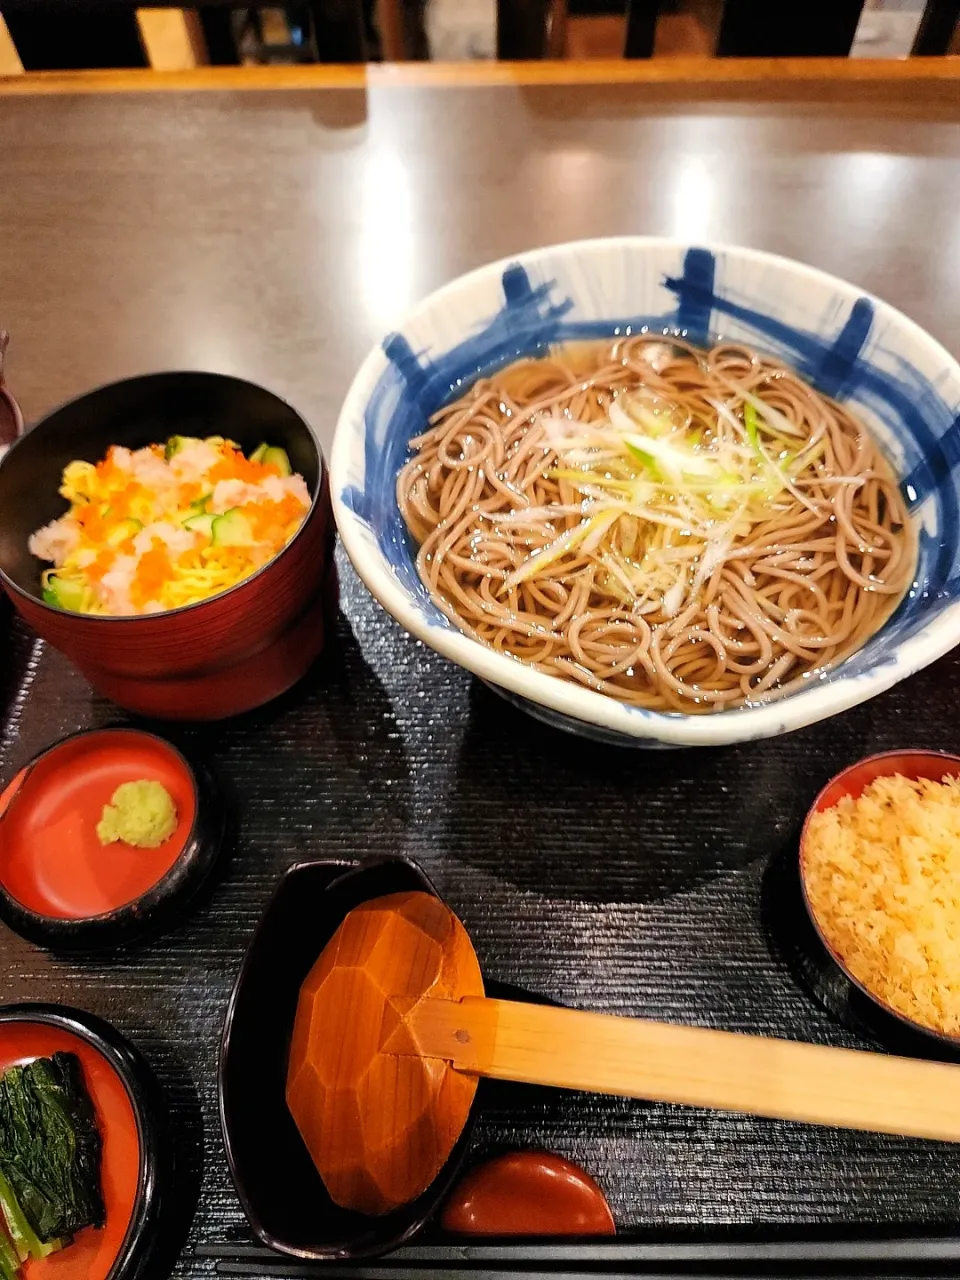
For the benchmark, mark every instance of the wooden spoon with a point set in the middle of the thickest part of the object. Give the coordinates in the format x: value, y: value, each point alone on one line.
x: 393, y: 1030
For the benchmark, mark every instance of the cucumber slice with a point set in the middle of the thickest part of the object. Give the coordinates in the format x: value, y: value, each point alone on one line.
x: 63, y: 594
x: 278, y: 458
x: 232, y: 529
x: 259, y: 453
x: 123, y: 530
x: 202, y: 523
x: 199, y: 508
x: 176, y: 443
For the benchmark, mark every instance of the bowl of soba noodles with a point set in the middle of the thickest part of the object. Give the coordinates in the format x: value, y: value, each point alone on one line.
x: 657, y: 493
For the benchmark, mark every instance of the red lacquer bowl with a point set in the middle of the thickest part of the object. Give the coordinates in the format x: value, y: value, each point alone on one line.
x: 210, y: 660
x: 135, y: 1163
x: 59, y: 886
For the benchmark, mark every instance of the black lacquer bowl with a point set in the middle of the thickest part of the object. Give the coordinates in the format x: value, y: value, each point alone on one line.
x: 279, y: 1187
x: 796, y: 932
x: 59, y: 887
x: 136, y: 1157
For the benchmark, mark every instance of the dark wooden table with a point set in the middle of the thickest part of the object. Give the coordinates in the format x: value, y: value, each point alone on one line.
x: 276, y: 234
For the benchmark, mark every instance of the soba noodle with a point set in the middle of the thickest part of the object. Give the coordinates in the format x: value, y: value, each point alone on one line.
x: 686, y: 530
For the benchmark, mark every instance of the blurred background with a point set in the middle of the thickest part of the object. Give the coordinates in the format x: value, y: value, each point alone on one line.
x: 456, y: 29
x: 67, y: 34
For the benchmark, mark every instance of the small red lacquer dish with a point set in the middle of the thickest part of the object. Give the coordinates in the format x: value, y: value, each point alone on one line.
x: 59, y: 886
x: 887, y: 1023
x: 528, y: 1193
x: 134, y: 1160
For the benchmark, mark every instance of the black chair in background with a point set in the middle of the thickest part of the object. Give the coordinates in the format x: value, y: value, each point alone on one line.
x: 758, y: 29
x: 73, y: 36
x: 938, y: 28
x: 66, y: 34
x: 790, y: 28
x: 530, y: 29
x: 747, y: 28
x: 76, y: 34
x: 336, y: 28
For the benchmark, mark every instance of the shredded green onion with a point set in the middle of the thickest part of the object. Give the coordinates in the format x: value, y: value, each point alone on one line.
x: 664, y: 500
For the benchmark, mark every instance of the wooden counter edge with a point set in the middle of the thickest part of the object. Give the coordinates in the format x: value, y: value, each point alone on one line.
x: 695, y: 72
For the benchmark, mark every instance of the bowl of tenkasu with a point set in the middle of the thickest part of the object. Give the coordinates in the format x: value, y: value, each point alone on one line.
x: 659, y: 494
x: 880, y: 879
x: 172, y: 535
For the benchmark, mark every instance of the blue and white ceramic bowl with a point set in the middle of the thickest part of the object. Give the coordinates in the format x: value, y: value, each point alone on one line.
x: 850, y: 345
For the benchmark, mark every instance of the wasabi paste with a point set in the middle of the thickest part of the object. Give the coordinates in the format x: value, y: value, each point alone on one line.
x: 141, y: 814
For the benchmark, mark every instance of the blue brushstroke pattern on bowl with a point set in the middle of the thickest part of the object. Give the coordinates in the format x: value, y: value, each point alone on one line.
x: 849, y: 345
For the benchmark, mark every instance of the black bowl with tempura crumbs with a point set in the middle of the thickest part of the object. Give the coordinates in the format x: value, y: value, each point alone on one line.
x: 823, y: 967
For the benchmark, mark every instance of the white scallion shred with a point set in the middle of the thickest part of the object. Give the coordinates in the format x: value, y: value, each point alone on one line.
x: 664, y: 500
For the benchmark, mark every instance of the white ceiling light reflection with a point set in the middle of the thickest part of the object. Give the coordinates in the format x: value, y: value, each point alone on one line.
x: 566, y: 181
x: 870, y: 173
x: 576, y: 170
x: 876, y: 183
x: 693, y: 200
x: 385, y: 244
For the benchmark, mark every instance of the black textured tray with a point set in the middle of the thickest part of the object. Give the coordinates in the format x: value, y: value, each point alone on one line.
x: 614, y: 880
x: 820, y: 1258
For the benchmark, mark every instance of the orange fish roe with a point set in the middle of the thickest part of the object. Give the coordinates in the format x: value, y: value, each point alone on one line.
x: 270, y: 521
x: 190, y: 493
x: 234, y: 466
x: 153, y: 571
x: 103, y: 564
x: 107, y: 470
x: 122, y: 501
x: 92, y: 522
x: 141, y: 536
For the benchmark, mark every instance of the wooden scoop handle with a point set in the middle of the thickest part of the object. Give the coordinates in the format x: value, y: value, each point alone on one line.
x: 694, y: 1066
